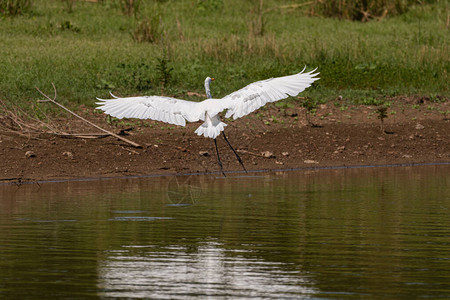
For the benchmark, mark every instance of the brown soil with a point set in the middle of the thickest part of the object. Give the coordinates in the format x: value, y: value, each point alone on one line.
x: 417, y: 131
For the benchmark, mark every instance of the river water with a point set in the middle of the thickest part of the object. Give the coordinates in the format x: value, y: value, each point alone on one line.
x: 351, y: 233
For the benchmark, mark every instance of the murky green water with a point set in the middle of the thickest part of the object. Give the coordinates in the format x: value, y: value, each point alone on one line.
x: 358, y: 233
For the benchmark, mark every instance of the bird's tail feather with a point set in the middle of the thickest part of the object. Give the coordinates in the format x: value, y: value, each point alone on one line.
x: 211, y: 129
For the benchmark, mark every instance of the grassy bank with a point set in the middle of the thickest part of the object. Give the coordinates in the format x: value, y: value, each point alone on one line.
x: 89, y: 49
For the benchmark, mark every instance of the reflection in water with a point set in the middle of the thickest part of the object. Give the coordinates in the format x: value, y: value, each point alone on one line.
x: 183, y: 190
x: 375, y: 233
x: 143, y: 271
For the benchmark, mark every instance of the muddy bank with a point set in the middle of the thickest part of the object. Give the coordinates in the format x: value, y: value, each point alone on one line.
x: 272, y: 138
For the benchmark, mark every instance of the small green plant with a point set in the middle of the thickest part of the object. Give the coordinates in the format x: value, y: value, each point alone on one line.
x: 260, y: 115
x: 125, y: 123
x: 148, y: 30
x: 111, y: 120
x: 165, y: 73
x: 310, y: 106
x: 381, y: 115
x: 68, y: 26
x: 436, y: 98
x: 371, y: 101
x: 130, y: 7
x: 274, y: 119
x: 69, y: 5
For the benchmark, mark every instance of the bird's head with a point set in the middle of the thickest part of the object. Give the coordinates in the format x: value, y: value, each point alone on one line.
x: 208, y: 80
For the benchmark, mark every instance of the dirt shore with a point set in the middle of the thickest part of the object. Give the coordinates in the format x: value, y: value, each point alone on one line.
x: 416, y: 131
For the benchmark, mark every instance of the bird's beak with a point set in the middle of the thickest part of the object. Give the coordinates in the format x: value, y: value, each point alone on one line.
x: 213, y: 78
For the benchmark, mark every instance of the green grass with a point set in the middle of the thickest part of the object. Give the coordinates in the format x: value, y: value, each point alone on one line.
x: 91, y: 50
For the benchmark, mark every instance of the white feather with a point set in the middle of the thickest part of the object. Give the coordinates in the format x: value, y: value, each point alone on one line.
x: 237, y: 104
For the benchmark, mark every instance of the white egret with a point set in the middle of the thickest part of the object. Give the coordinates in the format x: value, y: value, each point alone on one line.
x: 237, y: 104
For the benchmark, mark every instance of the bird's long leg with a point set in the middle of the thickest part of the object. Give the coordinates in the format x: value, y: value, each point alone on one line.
x: 235, y: 153
x: 218, y: 158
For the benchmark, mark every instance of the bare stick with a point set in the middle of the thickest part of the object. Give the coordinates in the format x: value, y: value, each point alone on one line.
x: 248, y: 152
x: 90, y: 123
x: 83, y: 135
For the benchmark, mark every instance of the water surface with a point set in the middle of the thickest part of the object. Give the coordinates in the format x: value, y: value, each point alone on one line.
x: 354, y: 233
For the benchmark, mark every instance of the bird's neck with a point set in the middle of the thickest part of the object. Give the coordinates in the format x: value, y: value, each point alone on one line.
x: 208, y: 92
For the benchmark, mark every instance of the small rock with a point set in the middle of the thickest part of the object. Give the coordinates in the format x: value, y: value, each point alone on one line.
x: 419, y: 126
x: 407, y: 156
x: 310, y: 161
x: 182, y: 149
x: 279, y: 163
x: 203, y: 153
x: 68, y: 154
x: 29, y: 154
x: 339, y: 149
x: 381, y: 138
x: 267, y: 154
x: 285, y: 153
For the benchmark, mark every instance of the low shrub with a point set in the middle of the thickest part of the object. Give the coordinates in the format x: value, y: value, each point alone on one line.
x: 14, y: 7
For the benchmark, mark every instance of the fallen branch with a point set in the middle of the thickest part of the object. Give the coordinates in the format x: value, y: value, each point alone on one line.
x: 83, y: 119
x: 84, y: 135
x: 250, y: 153
x: 20, y: 133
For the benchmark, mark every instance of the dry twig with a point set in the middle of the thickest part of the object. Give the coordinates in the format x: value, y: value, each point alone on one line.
x: 83, y: 119
x: 248, y: 152
x: 14, y: 123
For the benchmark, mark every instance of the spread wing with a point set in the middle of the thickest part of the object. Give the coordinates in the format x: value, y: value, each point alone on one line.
x: 257, y: 94
x: 159, y: 108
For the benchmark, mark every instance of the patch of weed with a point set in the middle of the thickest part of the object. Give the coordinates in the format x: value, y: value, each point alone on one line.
x: 357, y: 61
